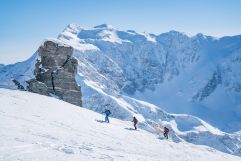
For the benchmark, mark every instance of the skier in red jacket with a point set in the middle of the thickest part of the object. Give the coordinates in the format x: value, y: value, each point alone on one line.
x: 166, y: 131
x: 135, y: 121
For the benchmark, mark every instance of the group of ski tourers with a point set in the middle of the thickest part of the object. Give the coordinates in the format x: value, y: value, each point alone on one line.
x: 135, y: 121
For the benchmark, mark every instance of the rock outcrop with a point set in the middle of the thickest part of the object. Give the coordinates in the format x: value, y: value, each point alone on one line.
x: 19, y: 86
x: 55, y: 73
x: 210, y: 86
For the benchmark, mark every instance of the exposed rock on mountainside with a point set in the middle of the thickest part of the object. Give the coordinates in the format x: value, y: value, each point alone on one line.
x: 19, y: 86
x: 55, y: 73
x: 210, y: 86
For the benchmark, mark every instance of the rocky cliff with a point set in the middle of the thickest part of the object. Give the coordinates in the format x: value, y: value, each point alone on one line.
x: 55, y: 72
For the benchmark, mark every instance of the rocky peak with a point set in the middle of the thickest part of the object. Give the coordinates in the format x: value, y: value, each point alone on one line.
x: 55, y: 73
x: 104, y: 26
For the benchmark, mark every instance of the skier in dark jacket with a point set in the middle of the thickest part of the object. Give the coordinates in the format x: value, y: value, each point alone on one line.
x: 166, y: 131
x: 135, y: 121
x: 107, y: 114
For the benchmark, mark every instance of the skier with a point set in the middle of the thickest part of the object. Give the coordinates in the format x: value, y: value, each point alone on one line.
x: 135, y: 121
x: 107, y: 113
x: 166, y: 131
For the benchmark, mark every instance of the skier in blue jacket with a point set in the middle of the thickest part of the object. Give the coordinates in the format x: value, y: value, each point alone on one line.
x: 107, y: 114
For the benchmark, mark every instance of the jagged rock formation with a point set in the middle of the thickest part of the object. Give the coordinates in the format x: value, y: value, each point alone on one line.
x: 37, y: 87
x: 210, y: 86
x: 19, y: 86
x: 55, y: 73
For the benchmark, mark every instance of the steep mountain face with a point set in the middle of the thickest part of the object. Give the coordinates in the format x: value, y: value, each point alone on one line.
x: 128, y: 72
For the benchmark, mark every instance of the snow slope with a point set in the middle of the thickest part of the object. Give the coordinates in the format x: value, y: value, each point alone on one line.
x: 35, y: 127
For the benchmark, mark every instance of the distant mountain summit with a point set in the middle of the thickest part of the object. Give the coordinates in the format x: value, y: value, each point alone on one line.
x: 143, y: 74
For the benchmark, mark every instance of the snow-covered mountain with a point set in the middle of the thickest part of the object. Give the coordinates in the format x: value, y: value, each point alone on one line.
x: 143, y: 74
x: 35, y: 127
x: 197, y: 75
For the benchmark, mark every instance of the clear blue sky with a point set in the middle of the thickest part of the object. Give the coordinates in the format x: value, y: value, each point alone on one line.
x: 25, y: 23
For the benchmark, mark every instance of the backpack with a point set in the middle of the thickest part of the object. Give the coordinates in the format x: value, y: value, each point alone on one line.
x: 166, y: 130
x: 135, y: 120
x: 107, y: 112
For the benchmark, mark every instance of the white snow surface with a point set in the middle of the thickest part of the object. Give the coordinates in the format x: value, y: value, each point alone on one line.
x: 40, y: 128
